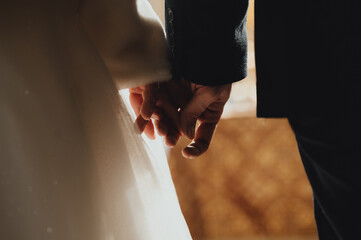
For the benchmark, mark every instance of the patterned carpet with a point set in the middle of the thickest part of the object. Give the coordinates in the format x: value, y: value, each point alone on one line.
x: 250, y: 183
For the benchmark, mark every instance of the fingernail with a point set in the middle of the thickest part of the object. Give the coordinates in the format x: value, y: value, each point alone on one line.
x: 191, y: 132
x: 155, y: 116
x: 147, y: 114
x: 146, y: 117
x: 191, y: 152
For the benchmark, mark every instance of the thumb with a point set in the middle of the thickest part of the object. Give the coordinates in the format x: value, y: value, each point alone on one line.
x: 192, y: 111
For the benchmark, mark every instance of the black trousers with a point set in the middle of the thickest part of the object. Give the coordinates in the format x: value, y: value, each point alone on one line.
x: 330, y: 148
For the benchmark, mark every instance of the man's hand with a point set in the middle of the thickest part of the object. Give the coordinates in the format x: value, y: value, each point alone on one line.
x: 176, y: 107
x: 206, y: 106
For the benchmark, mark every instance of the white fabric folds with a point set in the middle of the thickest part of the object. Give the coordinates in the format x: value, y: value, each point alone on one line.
x: 71, y: 165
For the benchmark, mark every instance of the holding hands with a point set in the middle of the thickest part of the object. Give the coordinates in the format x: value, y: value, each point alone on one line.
x: 176, y: 107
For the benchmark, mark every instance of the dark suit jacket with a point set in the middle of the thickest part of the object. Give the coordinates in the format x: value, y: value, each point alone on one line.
x: 308, y: 53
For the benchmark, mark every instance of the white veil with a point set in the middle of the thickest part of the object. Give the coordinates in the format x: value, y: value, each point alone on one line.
x: 72, y: 166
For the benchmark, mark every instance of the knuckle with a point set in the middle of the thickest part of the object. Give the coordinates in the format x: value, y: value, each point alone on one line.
x: 190, y: 119
x: 190, y: 116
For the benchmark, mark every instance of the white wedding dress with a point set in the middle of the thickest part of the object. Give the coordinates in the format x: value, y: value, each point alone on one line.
x: 71, y: 165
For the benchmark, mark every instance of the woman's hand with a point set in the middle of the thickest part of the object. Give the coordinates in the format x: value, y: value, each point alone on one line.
x: 176, y: 107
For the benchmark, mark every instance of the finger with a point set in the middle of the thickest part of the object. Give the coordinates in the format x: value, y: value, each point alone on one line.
x: 170, y: 111
x: 137, y: 90
x: 172, y: 137
x: 149, y: 130
x: 213, y: 113
x: 136, y: 101
x: 157, y: 114
x: 167, y: 118
x: 189, y: 115
x: 162, y: 127
x: 201, y: 142
x: 145, y: 126
x: 160, y: 121
x: 150, y: 98
x: 141, y: 123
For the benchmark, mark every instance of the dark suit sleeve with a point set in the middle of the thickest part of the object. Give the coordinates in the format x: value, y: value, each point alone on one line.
x: 207, y: 40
